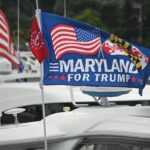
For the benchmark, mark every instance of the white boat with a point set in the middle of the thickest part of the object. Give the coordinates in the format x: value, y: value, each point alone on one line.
x: 105, y: 91
x: 29, y: 62
x: 5, y: 66
x: 68, y: 127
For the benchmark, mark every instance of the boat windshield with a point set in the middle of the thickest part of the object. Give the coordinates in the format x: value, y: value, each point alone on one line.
x: 113, y: 147
x: 34, y: 113
x: 113, y: 143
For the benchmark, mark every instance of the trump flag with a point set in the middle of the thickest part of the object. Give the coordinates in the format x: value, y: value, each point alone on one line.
x: 83, y: 55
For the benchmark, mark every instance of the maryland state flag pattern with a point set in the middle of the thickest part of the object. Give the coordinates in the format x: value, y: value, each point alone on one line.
x: 117, y: 46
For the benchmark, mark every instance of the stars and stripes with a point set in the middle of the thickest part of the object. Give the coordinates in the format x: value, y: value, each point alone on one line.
x: 6, y: 48
x: 69, y: 39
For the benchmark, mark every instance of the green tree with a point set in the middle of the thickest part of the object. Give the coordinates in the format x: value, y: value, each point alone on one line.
x: 90, y: 16
x: 146, y: 23
x: 118, y: 17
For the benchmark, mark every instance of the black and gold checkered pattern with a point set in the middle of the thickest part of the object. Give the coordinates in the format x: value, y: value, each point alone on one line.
x: 128, y: 48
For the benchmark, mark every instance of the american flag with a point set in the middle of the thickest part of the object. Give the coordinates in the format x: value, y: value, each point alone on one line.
x: 6, y: 48
x: 69, y: 39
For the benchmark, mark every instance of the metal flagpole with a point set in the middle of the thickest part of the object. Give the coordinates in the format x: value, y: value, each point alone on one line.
x: 43, y: 106
x: 65, y: 8
x: 101, y: 49
x: 70, y: 88
x: 18, y: 29
x: 37, y: 4
x: 41, y: 85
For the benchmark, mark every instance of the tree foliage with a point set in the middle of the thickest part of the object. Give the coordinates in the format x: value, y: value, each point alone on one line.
x: 90, y: 16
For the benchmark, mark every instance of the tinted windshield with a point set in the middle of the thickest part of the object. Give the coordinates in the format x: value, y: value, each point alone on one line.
x: 34, y: 112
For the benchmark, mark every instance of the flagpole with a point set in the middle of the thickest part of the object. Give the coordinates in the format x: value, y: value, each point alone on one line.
x: 41, y: 84
x: 101, y: 49
x: 70, y: 88
x: 43, y: 106
x: 18, y: 29
x: 65, y: 15
x: 37, y: 4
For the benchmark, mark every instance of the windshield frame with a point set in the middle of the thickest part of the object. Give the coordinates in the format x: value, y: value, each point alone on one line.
x: 105, y: 139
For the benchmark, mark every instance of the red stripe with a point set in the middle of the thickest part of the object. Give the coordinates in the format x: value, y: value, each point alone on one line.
x: 1, y: 27
x: 76, y: 42
x: 10, y: 59
x: 4, y: 47
x: 61, y: 25
x: 4, y: 38
x: 62, y: 30
x: 4, y: 17
x: 80, y: 47
x: 63, y: 35
x: 3, y: 20
x: 65, y: 39
x: 72, y: 51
